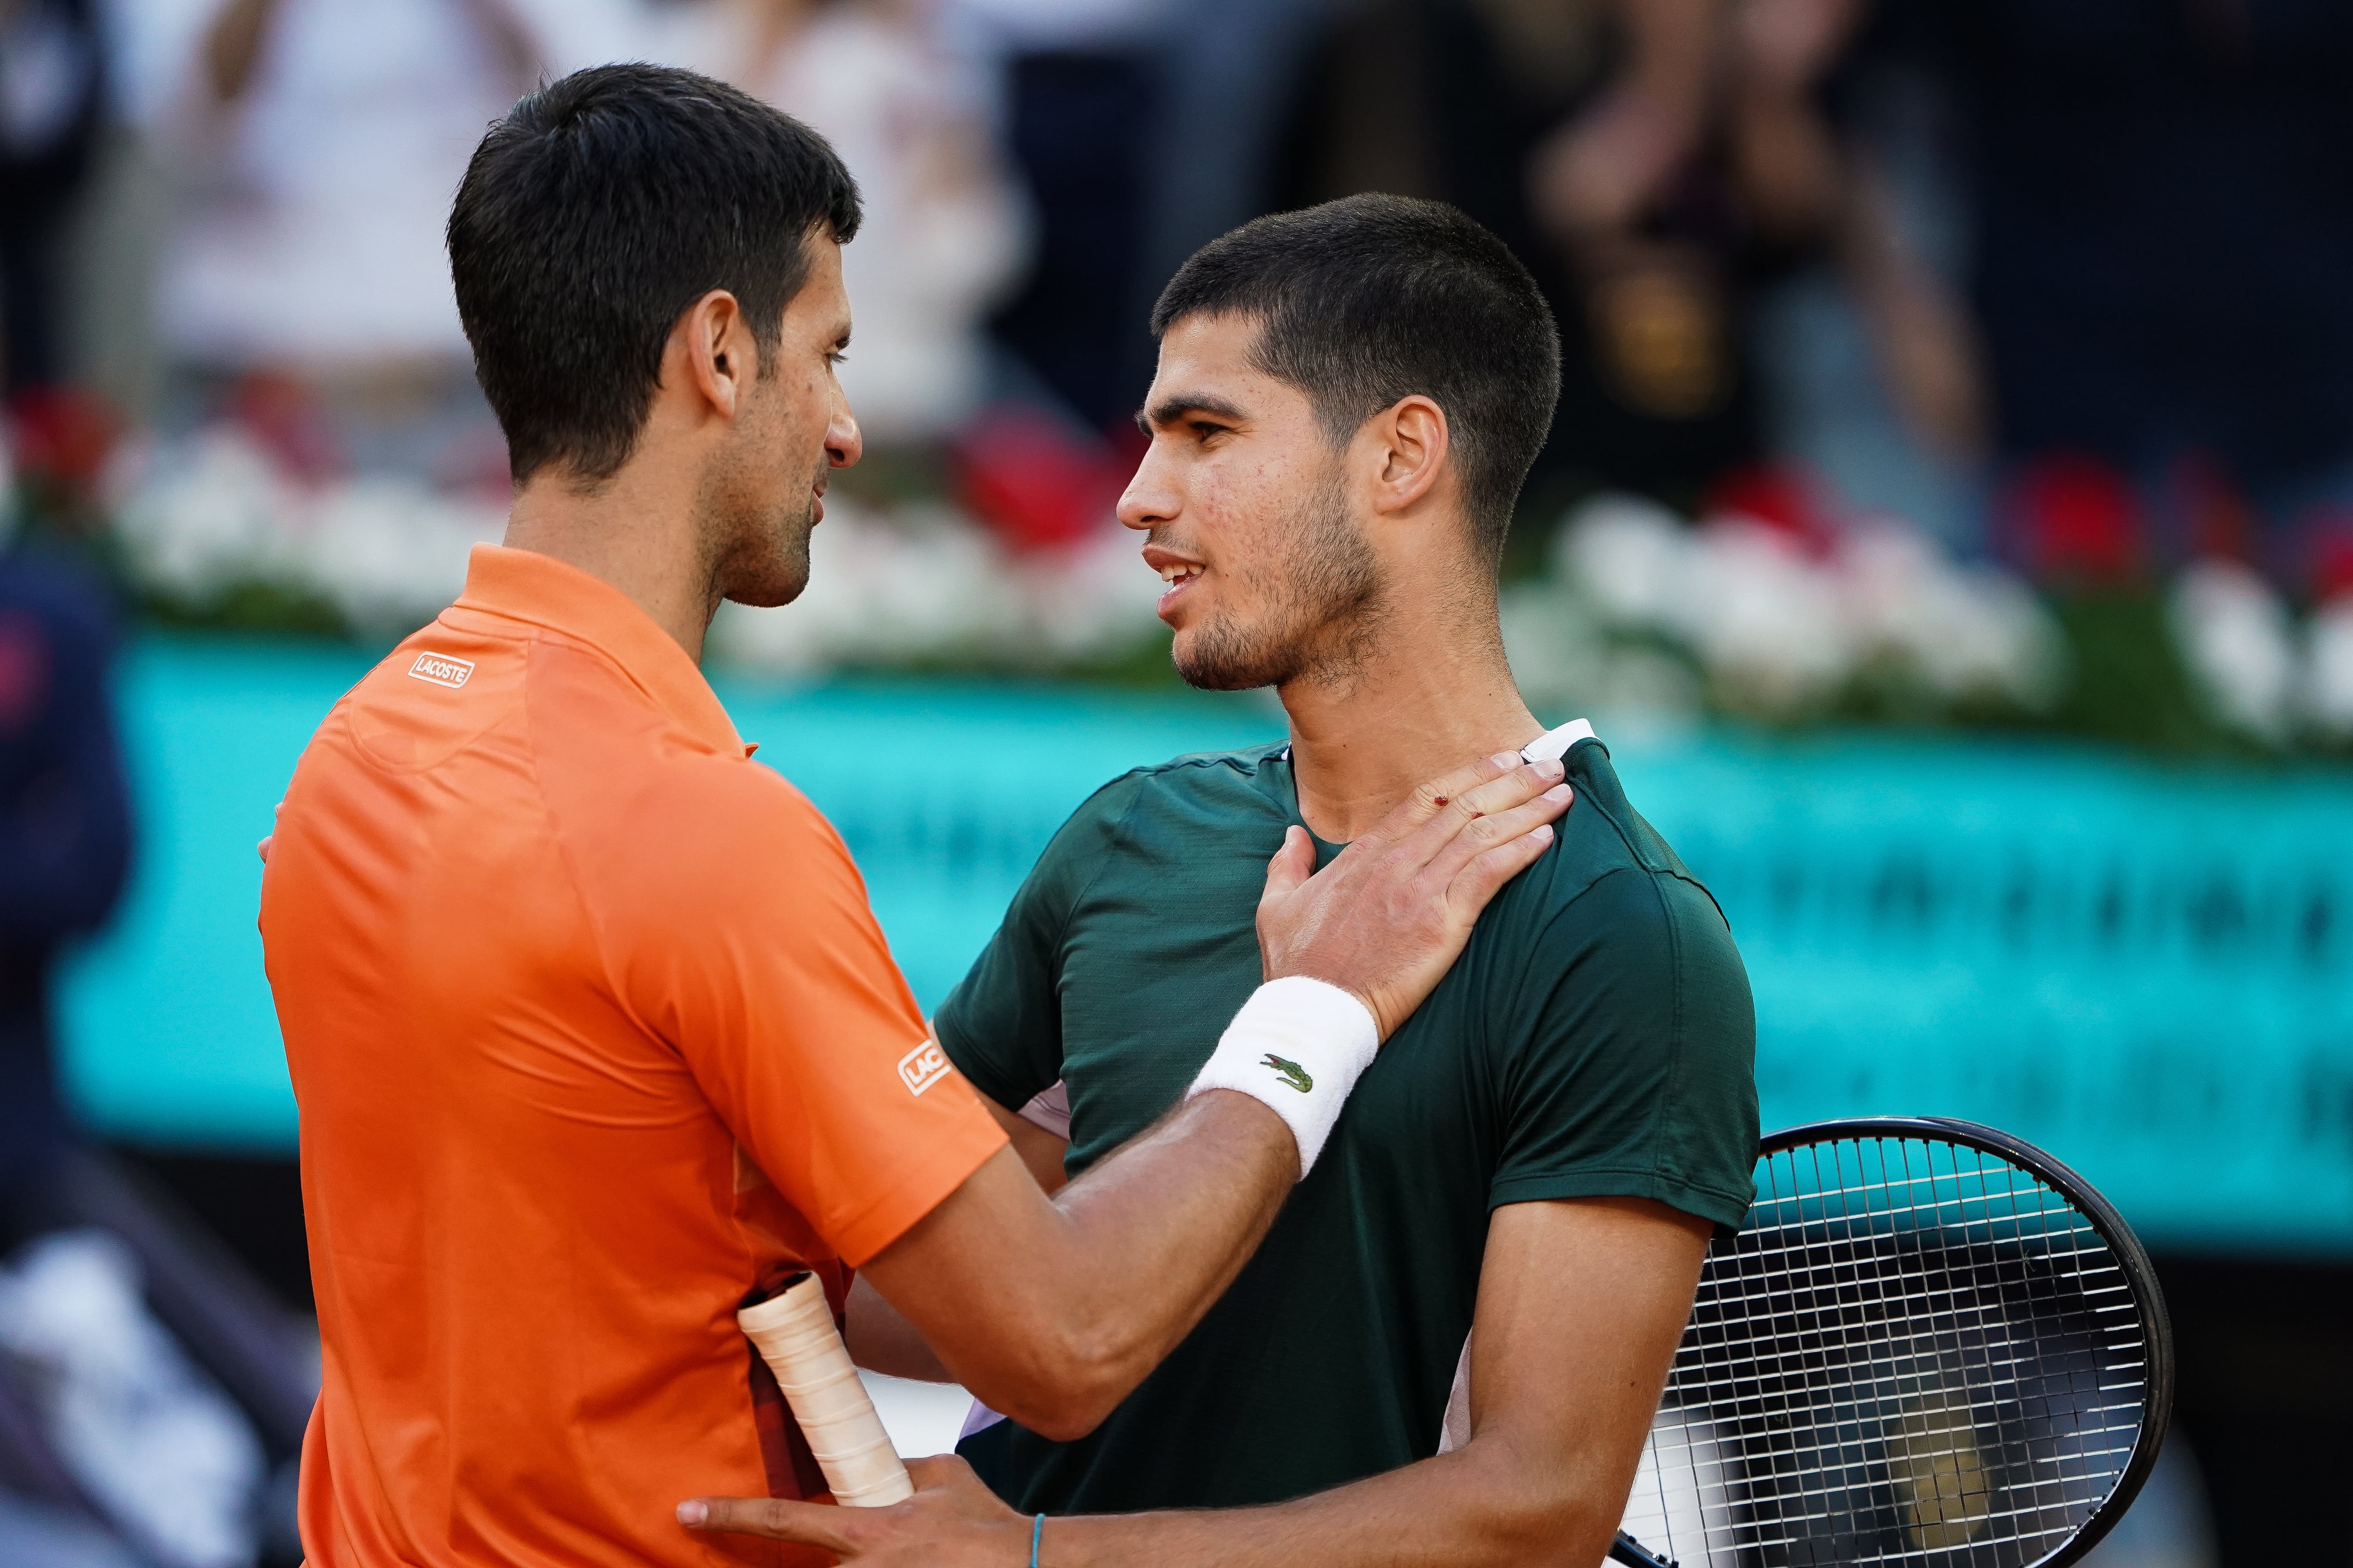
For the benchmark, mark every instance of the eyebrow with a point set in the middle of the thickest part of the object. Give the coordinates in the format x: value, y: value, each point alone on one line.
x: 1171, y: 410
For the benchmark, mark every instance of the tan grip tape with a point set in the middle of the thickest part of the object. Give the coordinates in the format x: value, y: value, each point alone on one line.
x: 797, y: 1338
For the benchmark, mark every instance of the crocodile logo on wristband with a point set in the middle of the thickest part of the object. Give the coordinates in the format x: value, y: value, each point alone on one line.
x: 1291, y: 1072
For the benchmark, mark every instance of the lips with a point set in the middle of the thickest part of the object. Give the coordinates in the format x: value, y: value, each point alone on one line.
x: 1179, y: 576
x: 1178, y: 572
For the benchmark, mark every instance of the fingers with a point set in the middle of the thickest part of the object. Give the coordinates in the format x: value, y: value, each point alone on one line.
x: 1292, y: 864
x: 1525, y: 782
x: 775, y: 1518
x: 1440, y: 793
x: 1480, y: 881
x: 1484, y: 833
x: 1468, y: 811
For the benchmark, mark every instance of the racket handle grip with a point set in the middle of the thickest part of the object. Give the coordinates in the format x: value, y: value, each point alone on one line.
x: 795, y: 1334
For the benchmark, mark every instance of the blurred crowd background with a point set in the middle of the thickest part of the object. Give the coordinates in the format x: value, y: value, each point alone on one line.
x: 1952, y: 360
x: 1966, y: 373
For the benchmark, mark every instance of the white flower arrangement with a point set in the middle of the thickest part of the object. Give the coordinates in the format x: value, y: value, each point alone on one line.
x: 199, y: 519
x: 2259, y: 673
x: 1640, y: 614
x: 915, y: 586
x: 924, y: 585
x: 1643, y: 610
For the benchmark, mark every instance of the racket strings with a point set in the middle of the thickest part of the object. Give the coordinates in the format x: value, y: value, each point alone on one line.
x: 1916, y: 1352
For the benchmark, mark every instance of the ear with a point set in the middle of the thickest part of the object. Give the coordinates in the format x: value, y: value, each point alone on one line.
x: 1412, y: 441
x: 713, y: 350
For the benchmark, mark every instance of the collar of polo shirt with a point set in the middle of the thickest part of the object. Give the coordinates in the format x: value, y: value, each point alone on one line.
x: 524, y: 586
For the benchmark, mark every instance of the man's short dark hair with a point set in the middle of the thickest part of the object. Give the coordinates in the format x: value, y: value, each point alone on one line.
x: 1371, y: 299
x: 590, y: 218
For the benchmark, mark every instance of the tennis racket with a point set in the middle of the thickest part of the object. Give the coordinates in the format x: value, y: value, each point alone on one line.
x: 795, y: 1335
x: 1932, y: 1345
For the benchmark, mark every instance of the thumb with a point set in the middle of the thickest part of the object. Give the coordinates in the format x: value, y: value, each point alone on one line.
x: 1291, y: 866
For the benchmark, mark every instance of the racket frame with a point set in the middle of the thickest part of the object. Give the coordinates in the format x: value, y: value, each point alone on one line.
x: 2140, y: 1274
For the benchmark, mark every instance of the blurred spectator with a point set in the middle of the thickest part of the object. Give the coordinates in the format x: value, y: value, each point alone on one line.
x: 1143, y: 128
x: 1146, y: 128
x: 943, y: 230
x: 65, y: 837
x: 318, y: 145
x: 1869, y: 367
x: 1031, y: 408
x: 1578, y: 131
x: 52, y: 91
x: 1226, y: 72
x: 1080, y: 108
x: 313, y: 145
x: 1601, y: 185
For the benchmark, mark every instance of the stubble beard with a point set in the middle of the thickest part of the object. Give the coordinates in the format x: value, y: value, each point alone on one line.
x: 760, y: 549
x: 1322, y: 598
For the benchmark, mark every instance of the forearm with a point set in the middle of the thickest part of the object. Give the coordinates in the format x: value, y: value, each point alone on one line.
x: 1059, y: 1307
x: 1582, y: 1304
x: 1156, y: 1233
x: 1479, y: 1505
x: 879, y: 1337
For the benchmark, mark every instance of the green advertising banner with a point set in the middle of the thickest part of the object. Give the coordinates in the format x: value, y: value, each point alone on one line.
x: 2147, y: 970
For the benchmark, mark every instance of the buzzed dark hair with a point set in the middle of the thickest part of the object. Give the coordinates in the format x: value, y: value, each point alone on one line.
x: 1371, y: 299
x: 590, y: 218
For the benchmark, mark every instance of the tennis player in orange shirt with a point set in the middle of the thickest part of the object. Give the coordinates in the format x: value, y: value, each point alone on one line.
x: 593, y: 1032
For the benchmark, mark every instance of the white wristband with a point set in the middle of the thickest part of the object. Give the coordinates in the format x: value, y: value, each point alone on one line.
x: 1298, y: 1045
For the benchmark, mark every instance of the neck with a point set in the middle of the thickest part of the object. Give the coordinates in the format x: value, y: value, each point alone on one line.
x: 1431, y: 696
x: 633, y: 530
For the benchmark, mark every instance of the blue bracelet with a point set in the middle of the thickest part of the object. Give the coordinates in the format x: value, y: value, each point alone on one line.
x: 1037, y: 1535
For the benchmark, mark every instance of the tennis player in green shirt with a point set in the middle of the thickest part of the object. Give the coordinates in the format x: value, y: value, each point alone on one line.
x: 1450, y: 1346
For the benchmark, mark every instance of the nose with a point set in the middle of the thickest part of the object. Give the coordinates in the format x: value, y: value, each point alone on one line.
x: 1150, y: 500
x: 844, y: 445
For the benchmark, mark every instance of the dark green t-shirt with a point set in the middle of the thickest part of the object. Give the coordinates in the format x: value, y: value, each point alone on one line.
x: 1596, y: 1039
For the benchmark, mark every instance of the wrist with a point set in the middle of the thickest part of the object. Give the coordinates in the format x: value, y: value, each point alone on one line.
x: 1089, y: 1540
x: 1362, y: 997
x: 1297, y: 1047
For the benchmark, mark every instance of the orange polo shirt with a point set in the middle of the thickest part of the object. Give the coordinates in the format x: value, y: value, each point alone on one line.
x: 594, y: 1035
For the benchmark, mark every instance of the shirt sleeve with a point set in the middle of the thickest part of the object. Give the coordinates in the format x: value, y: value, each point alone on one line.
x: 748, y: 943
x: 1632, y: 1070
x: 1002, y: 1025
